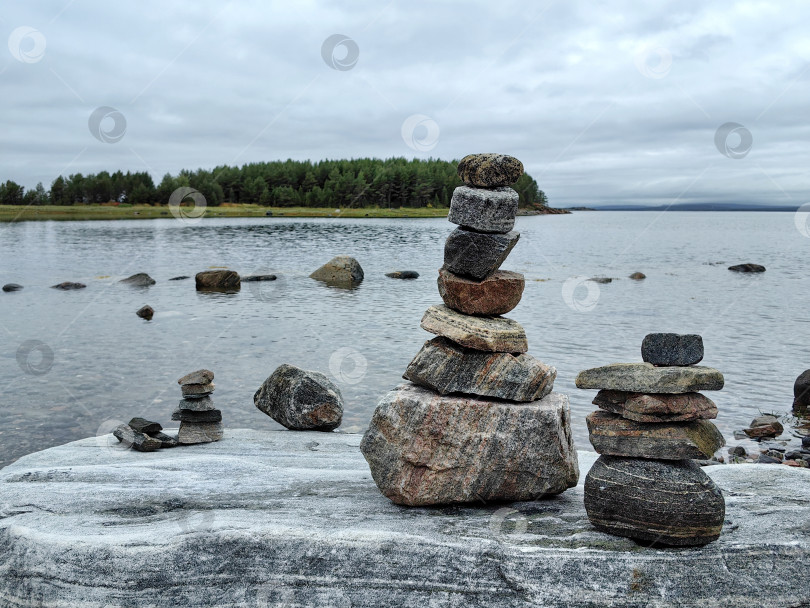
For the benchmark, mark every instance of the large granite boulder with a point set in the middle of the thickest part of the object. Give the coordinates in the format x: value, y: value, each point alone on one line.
x: 616, y: 436
x: 268, y: 518
x: 475, y: 254
x: 301, y: 400
x: 489, y: 170
x: 426, y: 449
x: 646, y: 407
x: 448, y: 368
x: 646, y: 378
x: 138, y: 280
x: 672, y: 349
x: 484, y: 210
x: 654, y: 501
x: 499, y: 293
x: 493, y: 334
x: 340, y: 271
x: 218, y: 280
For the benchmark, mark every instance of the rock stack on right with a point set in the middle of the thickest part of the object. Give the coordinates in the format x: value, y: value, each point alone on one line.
x: 651, y: 425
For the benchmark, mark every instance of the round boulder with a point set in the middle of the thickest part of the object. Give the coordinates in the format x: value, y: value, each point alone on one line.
x: 342, y: 270
x: 146, y: 312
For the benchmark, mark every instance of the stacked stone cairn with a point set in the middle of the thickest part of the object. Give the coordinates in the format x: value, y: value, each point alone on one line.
x: 651, y: 426
x: 478, y: 421
x: 200, y: 421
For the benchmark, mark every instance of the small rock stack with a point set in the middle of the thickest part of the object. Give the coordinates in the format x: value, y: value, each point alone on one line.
x: 144, y: 436
x: 651, y: 425
x: 200, y: 421
x: 478, y: 421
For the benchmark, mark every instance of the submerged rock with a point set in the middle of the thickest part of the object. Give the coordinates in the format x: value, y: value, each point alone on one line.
x: 484, y: 210
x: 638, y: 276
x: 448, y: 368
x: 801, y: 390
x: 138, y: 280
x: 68, y: 286
x: 646, y: 378
x: 747, y: 268
x: 403, y: 274
x: 499, y: 293
x: 672, y: 349
x: 12, y: 287
x: 341, y: 271
x: 218, y: 280
x: 146, y: 312
x: 258, y: 278
x: 645, y: 407
x: 424, y: 449
x: 475, y: 254
x: 301, y: 400
x: 492, y: 334
x: 180, y: 278
x: 489, y: 170
x: 654, y: 501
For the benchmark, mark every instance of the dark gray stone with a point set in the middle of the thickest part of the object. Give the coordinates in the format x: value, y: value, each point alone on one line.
x: 424, y: 449
x: 403, y: 274
x: 801, y: 390
x: 197, y: 416
x: 139, y: 442
x: 601, y: 280
x: 477, y: 255
x: 484, y: 210
x: 138, y: 280
x: 670, y: 502
x: 446, y: 367
x: 180, y: 278
x: 768, y: 459
x: 12, y: 287
x: 738, y: 451
x: 747, y: 268
x: 806, y: 442
x: 141, y: 425
x: 201, y: 404
x: 489, y: 170
x: 69, y: 286
x: 300, y: 400
x: 255, y: 278
x: 146, y: 312
x: 672, y: 349
x: 166, y: 441
x: 201, y: 376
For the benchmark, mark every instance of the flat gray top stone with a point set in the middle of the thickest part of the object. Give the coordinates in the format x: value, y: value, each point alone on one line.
x: 283, y: 518
x: 646, y: 378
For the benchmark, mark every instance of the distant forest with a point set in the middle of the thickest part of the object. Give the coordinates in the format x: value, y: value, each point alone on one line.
x: 362, y: 182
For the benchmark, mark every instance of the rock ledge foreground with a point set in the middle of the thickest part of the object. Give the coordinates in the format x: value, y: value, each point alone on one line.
x: 282, y: 518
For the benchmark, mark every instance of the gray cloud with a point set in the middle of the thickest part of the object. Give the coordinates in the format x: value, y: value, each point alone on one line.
x: 559, y: 84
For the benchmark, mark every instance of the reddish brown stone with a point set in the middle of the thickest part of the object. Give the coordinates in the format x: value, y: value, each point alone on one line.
x: 496, y: 295
x: 646, y: 407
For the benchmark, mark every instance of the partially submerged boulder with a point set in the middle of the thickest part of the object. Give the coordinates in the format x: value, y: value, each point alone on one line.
x: 138, y: 280
x: 747, y: 268
x: 218, y: 280
x: 340, y: 271
x: 301, y: 400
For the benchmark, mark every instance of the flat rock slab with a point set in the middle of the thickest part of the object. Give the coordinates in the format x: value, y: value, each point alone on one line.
x: 280, y: 517
x: 492, y: 334
x: 646, y: 378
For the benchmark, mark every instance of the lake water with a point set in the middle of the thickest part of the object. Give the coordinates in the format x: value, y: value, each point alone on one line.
x: 109, y: 365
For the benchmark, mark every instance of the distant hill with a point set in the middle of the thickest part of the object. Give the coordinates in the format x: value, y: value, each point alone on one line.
x: 698, y: 207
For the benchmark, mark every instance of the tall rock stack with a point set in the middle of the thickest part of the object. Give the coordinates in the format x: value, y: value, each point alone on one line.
x: 651, y: 424
x: 478, y: 421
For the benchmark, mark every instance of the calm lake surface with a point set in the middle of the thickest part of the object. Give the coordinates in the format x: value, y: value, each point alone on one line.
x: 109, y: 365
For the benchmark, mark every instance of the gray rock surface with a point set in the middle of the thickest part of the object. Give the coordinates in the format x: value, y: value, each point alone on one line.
x: 492, y: 334
x: 301, y: 400
x: 672, y: 349
x: 166, y: 441
x: 476, y: 254
x: 138, y: 280
x: 258, y: 278
x: 489, y: 170
x: 273, y: 518
x: 199, y: 432
x: 340, y: 271
x: 484, y: 210
x: 646, y: 378
x: 425, y: 449
x: 448, y: 368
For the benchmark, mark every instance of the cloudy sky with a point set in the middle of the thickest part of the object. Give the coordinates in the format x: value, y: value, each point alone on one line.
x: 605, y: 103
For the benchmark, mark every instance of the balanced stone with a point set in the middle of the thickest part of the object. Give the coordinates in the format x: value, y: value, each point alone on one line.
x: 424, y: 449
x: 646, y: 378
x: 672, y: 349
x: 616, y: 436
x: 197, y: 416
x: 192, y: 391
x: 492, y: 334
x: 139, y: 280
x: 489, y: 170
x: 499, y: 293
x: 140, y: 442
x: 484, y: 210
x: 476, y: 254
x: 655, y: 501
x: 199, y: 432
x: 141, y: 425
x: 202, y: 404
x: 201, y: 376
x: 218, y: 280
x: 341, y: 271
x: 300, y: 399
x: 447, y: 368
x: 645, y: 407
